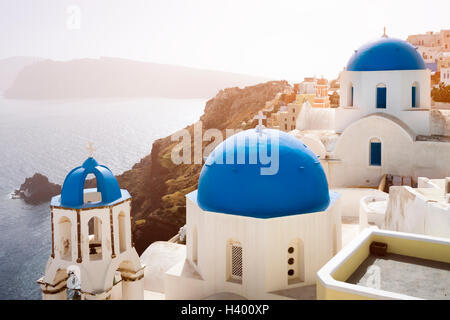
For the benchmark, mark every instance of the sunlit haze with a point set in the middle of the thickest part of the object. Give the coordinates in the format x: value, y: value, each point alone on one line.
x: 275, y: 39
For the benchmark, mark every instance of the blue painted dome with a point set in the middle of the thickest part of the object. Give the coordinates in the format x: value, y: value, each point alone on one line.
x: 242, y: 187
x: 72, y: 194
x: 386, y: 54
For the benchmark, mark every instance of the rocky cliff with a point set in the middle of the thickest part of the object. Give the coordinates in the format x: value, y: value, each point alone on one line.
x: 159, y: 187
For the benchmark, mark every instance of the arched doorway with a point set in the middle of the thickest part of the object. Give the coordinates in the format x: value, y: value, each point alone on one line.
x: 65, y: 238
x: 122, y: 232
x: 95, y: 238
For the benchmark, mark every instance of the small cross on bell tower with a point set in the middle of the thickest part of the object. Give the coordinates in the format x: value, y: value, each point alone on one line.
x: 91, y: 149
x: 384, y: 33
x: 260, y: 118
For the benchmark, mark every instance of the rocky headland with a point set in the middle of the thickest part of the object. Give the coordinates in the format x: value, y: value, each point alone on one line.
x: 37, y: 189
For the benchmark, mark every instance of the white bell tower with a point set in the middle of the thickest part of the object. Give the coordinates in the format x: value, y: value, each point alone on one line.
x: 91, y: 232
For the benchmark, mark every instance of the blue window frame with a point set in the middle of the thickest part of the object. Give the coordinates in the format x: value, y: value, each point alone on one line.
x: 375, y: 153
x: 413, y: 96
x: 381, y: 98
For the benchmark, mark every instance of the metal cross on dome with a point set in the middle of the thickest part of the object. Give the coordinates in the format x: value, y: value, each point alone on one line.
x: 260, y: 118
x: 90, y: 148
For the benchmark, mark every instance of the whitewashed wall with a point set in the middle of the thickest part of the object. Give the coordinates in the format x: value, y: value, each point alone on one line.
x: 401, y: 154
x: 265, y: 243
x: 410, y: 211
x: 398, y: 97
x: 97, y: 275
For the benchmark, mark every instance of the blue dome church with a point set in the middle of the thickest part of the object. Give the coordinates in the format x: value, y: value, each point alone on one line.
x: 386, y: 76
x: 261, y: 220
x: 384, y: 125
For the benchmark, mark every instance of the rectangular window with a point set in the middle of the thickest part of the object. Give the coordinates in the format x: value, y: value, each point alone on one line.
x: 351, y: 98
x: 375, y: 153
x: 236, y: 262
x: 413, y: 97
x: 381, y: 98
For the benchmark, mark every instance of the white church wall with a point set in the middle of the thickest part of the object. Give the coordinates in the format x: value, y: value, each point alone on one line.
x: 431, y: 159
x: 401, y: 154
x: 217, y: 230
x: 314, y: 230
x: 265, y: 255
x: 398, y: 97
x: 97, y: 272
x: 60, y: 236
x: 122, y: 225
x: 352, y: 153
x: 132, y: 273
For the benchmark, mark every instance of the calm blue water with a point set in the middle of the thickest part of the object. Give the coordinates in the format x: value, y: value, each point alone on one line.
x: 50, y: 137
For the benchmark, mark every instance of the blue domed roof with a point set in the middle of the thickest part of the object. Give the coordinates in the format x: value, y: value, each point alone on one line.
x: 72, y: 194
x: 241, y: 186
x: 386, y: 54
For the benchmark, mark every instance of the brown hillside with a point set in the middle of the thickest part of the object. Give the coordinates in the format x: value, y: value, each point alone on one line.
x: 159, y: 187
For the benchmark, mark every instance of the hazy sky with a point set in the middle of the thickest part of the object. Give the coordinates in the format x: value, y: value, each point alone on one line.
x: 276, y: 39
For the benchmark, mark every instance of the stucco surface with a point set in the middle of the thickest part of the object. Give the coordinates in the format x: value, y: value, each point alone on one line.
x: 414, y: 277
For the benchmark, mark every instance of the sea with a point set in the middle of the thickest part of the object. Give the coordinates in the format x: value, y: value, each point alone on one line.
x: 50, y: 137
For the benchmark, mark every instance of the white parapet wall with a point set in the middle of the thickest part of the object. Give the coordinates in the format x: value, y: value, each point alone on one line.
x: 421, y: 210
x: 372, y: 210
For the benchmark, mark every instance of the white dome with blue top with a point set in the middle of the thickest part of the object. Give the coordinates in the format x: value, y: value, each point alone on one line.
x: 236, y: 187
x: 386, y: 54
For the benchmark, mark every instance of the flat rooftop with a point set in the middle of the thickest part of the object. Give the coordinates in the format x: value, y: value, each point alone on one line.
x: 412, y: 276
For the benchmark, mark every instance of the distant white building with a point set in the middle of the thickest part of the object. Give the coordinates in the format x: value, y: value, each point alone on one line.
x: 431, y: 46
x: 307, y: 86
x: 384, y: 123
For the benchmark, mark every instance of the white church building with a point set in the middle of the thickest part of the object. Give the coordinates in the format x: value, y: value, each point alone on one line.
x: 251, y: 235
x: 384, y: 124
